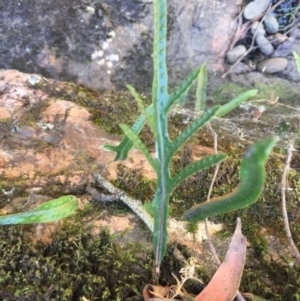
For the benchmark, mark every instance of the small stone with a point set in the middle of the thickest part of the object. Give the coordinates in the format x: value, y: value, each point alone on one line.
x: 277, y: 39
x: 264, y: 45
x: 255, y: 8
x: 272, y: 65
x: 283, y: 49
x: 258, y: 29
x: 234, y: 54
x: 271, y: 24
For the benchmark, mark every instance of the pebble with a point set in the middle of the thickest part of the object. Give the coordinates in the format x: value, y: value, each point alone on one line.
x: 272, y: 65
x: 258, y: 29
x: 277, y: 39
x: 234, y: 54
x: 264, y: 45
x: 255, y: 8
x: 271, y: 24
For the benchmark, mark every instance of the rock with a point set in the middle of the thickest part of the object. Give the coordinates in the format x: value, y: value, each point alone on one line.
x: 271, y: 24
x: 264, y: 45
x: 255, y: 8
x: 283, y: 49
x: 234, y: 54
x: 241, y: 68
x: 291, y: 71
x: 272, y: 65
x: 55, y: 137
x: 108, y: 44
x: 258, y: 29
x: 277, y: 39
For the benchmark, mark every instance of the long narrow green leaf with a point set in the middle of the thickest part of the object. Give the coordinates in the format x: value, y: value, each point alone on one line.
x: 48, y: 212
x: 191, y: 129
x: 180, y: 93
x: 160, y: 233
x: 194, y: 167
x: 160, y: 98
x: 140, y: 145
x: 297, y: 58
x: 228, y: 107
x: 148, y: 114
x: 252, y: 182
x: 160, y: 101
x: 125, y: 146
x: 201, y: 89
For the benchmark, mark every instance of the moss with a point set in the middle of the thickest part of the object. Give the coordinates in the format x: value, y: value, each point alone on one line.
x: 263, y: 274
x: 133, y: 182
x: 32, y: 114
x: 287, y: 93
x: 69, y: 269
x: 224, y: 93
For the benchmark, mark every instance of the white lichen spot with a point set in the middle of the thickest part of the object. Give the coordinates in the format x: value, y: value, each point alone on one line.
x: 90, y: 9
x: 108, y: 72
x: 112, y: 34
x: 109, y: 64
x: 101, y: 62
x: 34, y: 79
x: 8, y: 192
x: 105, y: 45
x: 97, y: 54
x: 46, y: 126
x: 113, y: 57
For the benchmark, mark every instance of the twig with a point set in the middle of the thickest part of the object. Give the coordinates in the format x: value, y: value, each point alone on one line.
x: 135, y: 205
x: 239, y: 296
x: 211, y: 246
x: 284, y: 187
x: 101, y: 197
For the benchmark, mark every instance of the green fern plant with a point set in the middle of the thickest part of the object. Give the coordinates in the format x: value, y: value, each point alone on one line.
x: 50, y: 211
x: 156, y: 116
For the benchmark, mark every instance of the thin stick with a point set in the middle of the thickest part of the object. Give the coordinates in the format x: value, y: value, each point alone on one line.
x: 211, y: 246
x: 217, y: 260
x: 284, y: 187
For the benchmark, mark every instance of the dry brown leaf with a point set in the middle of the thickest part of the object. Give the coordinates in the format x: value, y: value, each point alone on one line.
x: 153, y: 291
x: 226, y: 281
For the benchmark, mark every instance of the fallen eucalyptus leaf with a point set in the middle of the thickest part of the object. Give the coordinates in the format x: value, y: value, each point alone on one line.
x: 226, y: 281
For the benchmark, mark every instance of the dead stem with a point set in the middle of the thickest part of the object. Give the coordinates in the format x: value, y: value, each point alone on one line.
x: 284, y: 188
x: 135, y: 205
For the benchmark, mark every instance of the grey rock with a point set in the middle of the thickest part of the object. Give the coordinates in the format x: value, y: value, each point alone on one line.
x: 291, y: 71
x: 272, y: 65
x: 264, y: 45
x: 271, y: 24
x: 285, y: 48
x: 258, y: 29
x: 241, y: 68
x: 234, y: 54
x: 255, y: 8
x: 106, y: 44
x: 277, y: 39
